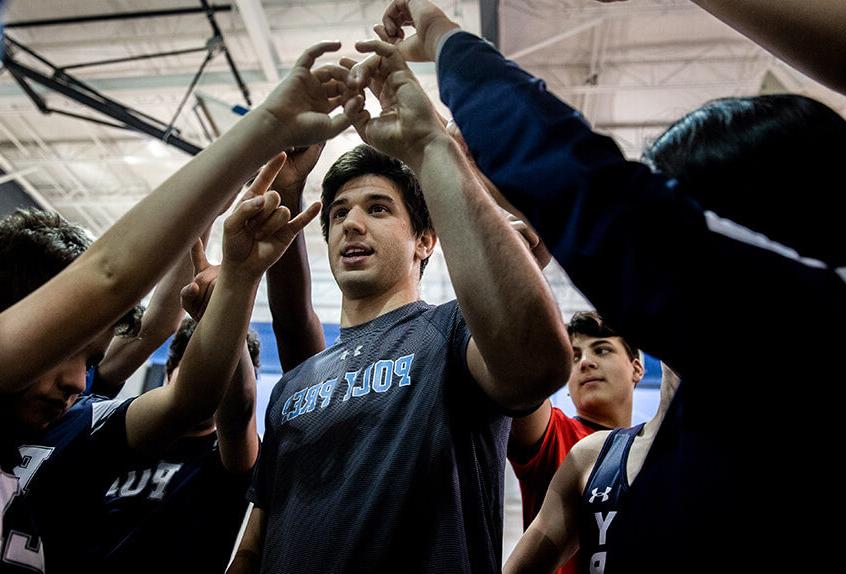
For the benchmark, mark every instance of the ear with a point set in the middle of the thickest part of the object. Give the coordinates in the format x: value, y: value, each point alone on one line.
x: 637, y: 371
x: 425, y: 244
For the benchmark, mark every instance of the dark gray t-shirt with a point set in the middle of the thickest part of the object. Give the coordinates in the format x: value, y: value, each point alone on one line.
x: 381, y: 454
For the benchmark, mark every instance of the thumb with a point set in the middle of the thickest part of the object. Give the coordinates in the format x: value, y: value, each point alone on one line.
x: 198, y: 256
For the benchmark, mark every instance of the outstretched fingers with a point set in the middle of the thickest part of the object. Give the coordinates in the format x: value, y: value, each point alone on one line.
x: 266, y: 175
x: 305, y: 217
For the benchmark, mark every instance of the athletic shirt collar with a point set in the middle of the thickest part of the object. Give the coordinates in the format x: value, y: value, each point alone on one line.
x: 383, y: 321
x: 590, y: 424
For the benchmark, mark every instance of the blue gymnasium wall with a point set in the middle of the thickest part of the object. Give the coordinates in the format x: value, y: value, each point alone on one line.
x: 270, y: 360
x: 644, y: 405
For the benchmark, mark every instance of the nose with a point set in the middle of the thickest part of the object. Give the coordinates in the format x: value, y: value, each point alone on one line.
x: 354, y: 222
x: 586, y: 362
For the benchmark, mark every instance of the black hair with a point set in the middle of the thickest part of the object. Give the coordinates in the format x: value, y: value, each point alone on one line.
x: 770, y: 163
x: 35, y: 246
x: 591, y: 324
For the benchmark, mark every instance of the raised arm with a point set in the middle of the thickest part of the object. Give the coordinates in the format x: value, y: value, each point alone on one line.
x: 235, y: 418
x: 519, y: 353
x: 606, y: 220
x: 255, y: 235
x: 298, y: 331
x: 810, y: 36
x: 61, y: 317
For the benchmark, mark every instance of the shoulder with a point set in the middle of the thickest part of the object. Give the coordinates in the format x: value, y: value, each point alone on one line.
x: 446, y: 318
x: 585, y: 452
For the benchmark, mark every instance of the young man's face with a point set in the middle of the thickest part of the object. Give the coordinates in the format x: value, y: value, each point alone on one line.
x: 603, y: 375
x: 372, y: 246
x: 53, y: 393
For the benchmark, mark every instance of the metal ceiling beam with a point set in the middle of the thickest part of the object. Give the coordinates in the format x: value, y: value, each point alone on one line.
x: 258, y: 29
x: 164, y: 82
x: 116, y: 16
x: 73, y: 89
x: 245, y: 91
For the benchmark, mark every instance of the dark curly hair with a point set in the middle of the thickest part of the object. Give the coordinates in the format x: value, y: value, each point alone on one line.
x: 35, y: 246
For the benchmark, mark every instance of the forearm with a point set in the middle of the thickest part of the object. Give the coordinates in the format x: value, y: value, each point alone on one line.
x: 215, y: 347
x: 161, y: 319
x: 248, y: 557
x: 58, y: 319
x: 298, y: 331
x: 159, y: 417
x: 534, y: 554
x: 235, y: 418
x: 501, y: 290
x: 807, y: 35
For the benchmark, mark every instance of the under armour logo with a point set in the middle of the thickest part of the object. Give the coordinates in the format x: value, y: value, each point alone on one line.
x: 596, y: 493
x: 356, y: 353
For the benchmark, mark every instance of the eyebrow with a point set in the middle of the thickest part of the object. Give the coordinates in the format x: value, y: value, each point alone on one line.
x: 593, y: 344
x: 370, y: 197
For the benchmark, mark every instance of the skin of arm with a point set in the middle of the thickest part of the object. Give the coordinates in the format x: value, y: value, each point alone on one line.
x: 505, y: 277
x: 57, y: 320
x: 553, y: 536
x: 161, y: 319
x: 248, y: 557
x: 235, y: 418
x: 255, y: 235
x: 807, y: 35
x: 527, y: 432
x: 298, y: 331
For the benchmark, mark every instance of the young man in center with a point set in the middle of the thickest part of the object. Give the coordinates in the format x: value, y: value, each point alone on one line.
x: 386, y: 451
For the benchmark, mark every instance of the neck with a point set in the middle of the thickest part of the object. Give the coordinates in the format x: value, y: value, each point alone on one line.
x: 620, y: 418
x: 356, y: 311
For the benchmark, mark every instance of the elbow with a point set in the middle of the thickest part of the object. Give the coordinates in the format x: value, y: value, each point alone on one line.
x: 545, y: 372
x: 552, y: 362
x: 114, y: 279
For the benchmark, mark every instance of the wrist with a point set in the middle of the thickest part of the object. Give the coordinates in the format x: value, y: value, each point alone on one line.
x: 434, y: 31
x: 274, y: 128
x: 237, y: 276
x: 430, y: 147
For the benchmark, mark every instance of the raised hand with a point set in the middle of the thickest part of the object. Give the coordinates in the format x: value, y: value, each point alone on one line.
x: 301, y: 104
x: 290, y: 182
x: 408, y: 120
x: 259, y: 231
x: 195, y: 296
x: 429, y: 22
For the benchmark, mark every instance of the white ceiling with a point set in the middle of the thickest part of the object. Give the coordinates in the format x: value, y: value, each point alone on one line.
x: 631, y: 67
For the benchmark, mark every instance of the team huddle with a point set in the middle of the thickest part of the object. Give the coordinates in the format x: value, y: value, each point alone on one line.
x: 385, y: 451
